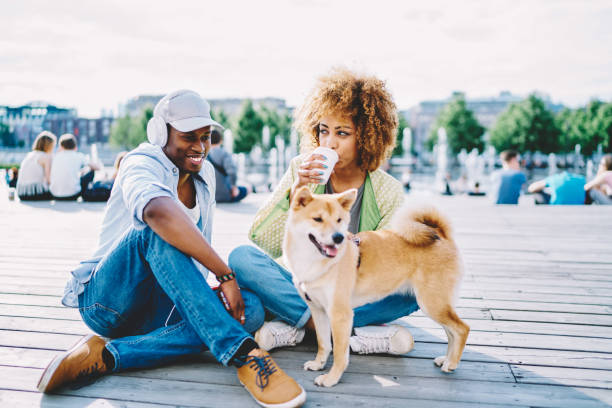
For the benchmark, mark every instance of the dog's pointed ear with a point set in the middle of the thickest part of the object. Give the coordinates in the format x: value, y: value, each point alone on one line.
x: 347, y: 198
x: 301, y: 198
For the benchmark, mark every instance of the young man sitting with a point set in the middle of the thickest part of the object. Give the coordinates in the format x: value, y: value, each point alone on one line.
x: 146, y: 288
x: 508, y: 182
x: 71, y: 171
x: 225, y: 171
x: 559, y: 189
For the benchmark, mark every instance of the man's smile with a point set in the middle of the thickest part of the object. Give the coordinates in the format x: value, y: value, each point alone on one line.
x: 196, y: 158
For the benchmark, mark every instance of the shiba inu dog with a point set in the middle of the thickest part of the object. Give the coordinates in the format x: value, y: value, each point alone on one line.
x: 334, y: 274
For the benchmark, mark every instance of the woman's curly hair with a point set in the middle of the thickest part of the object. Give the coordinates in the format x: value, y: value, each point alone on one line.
x: 362, y: 98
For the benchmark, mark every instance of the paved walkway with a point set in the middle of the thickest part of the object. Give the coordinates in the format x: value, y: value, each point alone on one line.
x: 537, y: 295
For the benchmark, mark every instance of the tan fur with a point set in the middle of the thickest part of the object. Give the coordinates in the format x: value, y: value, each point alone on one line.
x: 418, y: 254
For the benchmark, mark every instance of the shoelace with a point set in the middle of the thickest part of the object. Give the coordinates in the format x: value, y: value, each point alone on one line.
x: 284, y: 337
x: 265, y: 368
x: 373, y: 344
x: 87, y: 376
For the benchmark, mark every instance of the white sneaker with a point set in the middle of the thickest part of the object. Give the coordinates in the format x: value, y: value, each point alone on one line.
x: 278, y: 334
x: 393, y: 339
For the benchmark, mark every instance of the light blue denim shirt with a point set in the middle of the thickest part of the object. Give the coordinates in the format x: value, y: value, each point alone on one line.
x: 145, y: 173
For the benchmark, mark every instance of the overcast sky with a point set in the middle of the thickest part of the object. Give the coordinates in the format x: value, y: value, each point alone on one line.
x: 95, y: 55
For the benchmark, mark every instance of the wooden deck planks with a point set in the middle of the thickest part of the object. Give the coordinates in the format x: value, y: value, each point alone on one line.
x: 537, y: 295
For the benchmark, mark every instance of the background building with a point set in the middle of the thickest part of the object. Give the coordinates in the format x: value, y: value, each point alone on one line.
x: 86, y: 130
x: 27, y: 121
x: 422, y: 116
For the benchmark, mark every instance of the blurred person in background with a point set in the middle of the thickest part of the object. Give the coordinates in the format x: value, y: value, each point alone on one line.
x: 100, y: 190
x: 225, y: 171
x: 559, y: 189
x: 35, y: 170
x: 508, y: 182
x: 600, y: 188
x: 12, y: 175
x: 72, y: 171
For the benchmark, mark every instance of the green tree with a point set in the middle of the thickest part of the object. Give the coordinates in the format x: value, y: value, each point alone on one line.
x: 120, y: 130
x: 598, y: 126
x: 526, y: 126
x: 128, y: 132
x: 6, y: 137
x: 462, y: 128
x: 248, y: 129
x: 604, y: 120
x: 403, y: 124
x: 571, y: 124
x: 221, y: 117
x: 279, y: 123
x: 588, y: 126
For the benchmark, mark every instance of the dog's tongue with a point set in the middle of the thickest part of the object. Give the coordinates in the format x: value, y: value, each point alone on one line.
x: 331, y: 251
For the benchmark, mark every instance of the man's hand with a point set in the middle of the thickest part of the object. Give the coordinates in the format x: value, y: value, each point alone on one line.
x: 172, y: 224
x: 234, y: 299
x: 235, y: 191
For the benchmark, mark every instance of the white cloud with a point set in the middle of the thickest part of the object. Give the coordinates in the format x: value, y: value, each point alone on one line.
x: 95, y: 55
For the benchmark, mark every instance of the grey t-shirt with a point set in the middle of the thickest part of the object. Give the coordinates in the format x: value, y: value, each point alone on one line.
x: 355, y: 209
x: 223, y: 159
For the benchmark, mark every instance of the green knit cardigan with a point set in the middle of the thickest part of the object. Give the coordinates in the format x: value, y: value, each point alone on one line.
x: 382, y: 195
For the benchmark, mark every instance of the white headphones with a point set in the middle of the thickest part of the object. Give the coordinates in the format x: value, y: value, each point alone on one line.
x: 188, y: 110
x: 157, y: 131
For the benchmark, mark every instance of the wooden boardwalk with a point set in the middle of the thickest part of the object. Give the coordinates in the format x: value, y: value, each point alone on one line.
x: 537, y: 295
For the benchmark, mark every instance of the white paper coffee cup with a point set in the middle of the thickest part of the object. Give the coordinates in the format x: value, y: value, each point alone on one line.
x: 331, y: 160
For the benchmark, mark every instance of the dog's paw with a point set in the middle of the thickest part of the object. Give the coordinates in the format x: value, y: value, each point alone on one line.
x: 314, y: 365
x: 326, y: 380
x: 439, y: 360
x: 445, y: 364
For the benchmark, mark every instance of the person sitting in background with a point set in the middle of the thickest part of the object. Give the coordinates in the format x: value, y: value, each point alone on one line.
x: 461, y: 185
x: 67, y: 178
x: 33, y: 182
x: 99, y: 191
x: 11, y: 177
x: 225, y: 171
x: 508, y: 182
x: 565, y: 189
x: 447, y: 185
x: 600, y: 188
x: 476, y: 192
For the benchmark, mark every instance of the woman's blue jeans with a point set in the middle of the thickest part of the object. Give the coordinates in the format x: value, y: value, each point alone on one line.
x: 260, y: 274
x: 155, y: 305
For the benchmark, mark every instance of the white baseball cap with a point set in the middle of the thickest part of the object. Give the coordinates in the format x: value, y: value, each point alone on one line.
x: 185, y: 111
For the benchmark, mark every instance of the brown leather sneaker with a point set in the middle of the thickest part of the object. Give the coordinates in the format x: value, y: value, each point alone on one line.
x: 268, y: 384
x: 82, y: 362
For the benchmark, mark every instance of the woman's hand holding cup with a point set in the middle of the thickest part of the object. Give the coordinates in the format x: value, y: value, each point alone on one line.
x: 311, y: 170
x: 316, y: 168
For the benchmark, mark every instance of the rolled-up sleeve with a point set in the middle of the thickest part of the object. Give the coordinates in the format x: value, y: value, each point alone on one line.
x: 142, y: 180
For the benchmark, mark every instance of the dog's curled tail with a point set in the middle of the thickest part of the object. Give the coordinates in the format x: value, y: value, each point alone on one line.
x: 421, y: 226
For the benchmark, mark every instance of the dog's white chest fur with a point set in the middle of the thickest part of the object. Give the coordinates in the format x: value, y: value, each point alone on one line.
x: 319, y: 293
x: 306, y: 278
